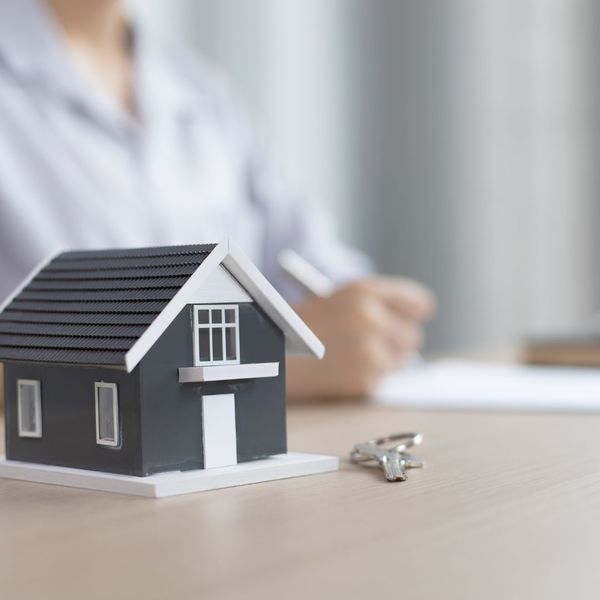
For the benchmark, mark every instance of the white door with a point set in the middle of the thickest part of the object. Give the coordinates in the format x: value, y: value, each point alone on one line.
x: 218, y: 427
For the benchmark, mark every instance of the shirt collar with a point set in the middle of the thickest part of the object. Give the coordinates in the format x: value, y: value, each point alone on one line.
x: 33, y: 48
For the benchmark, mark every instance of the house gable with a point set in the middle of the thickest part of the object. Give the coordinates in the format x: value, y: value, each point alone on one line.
x: 299, y: 339
x: 220, y: 287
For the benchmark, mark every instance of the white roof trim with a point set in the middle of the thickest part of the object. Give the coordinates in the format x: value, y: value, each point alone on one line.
x: 298, y: 337
x: 31, y: 276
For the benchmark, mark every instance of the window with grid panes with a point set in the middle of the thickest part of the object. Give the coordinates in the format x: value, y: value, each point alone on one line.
x: 216, y: 334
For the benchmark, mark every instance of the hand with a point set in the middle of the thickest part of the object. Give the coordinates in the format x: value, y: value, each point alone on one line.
x: 369, y: 328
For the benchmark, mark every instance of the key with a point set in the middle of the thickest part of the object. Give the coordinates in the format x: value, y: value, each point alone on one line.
x: 412, y: 462
x: 393, y: 465
x: 391, y: 461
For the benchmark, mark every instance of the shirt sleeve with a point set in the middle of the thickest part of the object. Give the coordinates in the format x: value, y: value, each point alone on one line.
x: 295, y: 220
x: 288, y: 216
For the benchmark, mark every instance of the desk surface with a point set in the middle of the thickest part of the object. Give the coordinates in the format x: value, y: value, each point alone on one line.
x: 508, y: 507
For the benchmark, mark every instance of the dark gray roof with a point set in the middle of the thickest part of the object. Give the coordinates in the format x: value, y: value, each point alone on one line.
x: 90, y: 307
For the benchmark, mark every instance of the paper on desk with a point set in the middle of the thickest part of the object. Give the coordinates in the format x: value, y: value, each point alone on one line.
x: 468, y: 385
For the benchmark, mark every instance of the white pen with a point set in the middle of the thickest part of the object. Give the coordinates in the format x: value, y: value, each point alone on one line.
x: 305, y: 274
x: 318, y: 284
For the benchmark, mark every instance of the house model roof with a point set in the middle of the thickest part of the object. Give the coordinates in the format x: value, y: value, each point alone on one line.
x: 108, y: 307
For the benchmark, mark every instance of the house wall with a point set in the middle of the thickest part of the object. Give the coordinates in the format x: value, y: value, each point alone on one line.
x: 69, y: 418
x: 160, y: 418
x: 172, y: 412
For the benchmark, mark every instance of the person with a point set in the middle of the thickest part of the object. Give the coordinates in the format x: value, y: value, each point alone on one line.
x: 109, y: 139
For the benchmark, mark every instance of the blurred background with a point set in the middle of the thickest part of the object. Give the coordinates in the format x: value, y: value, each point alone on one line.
x: 454, y: 140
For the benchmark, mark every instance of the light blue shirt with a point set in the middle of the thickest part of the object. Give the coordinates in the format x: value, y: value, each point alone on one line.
x: 77, y: 171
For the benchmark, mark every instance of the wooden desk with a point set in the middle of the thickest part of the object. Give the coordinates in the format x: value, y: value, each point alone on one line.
x: 508, y: 507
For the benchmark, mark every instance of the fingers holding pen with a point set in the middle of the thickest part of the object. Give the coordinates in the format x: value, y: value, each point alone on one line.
x: 404, y: 296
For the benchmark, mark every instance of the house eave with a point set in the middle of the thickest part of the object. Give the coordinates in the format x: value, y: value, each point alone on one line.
x: 13, y: 361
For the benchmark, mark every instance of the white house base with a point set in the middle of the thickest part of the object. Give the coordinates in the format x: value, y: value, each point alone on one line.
x: 173, y: 483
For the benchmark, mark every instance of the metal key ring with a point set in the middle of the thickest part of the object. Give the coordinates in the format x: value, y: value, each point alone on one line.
x: 408, y: 440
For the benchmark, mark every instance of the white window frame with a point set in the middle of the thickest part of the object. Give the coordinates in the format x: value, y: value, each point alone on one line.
x: 115, y: 406
x: 211, y: 326
x: 37, y: 406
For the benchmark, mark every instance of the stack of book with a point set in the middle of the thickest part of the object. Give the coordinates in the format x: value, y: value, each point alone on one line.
x: 579, y: 347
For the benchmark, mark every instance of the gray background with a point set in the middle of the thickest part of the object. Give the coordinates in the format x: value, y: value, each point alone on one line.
x: 454, y: 140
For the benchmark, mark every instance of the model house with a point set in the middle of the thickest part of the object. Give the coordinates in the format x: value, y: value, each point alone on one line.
x: 148, y: 360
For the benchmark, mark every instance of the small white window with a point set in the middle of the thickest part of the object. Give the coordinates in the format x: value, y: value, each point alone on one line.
x: 216, y: 335
x: 107, y: 414
x: 29, y: 406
